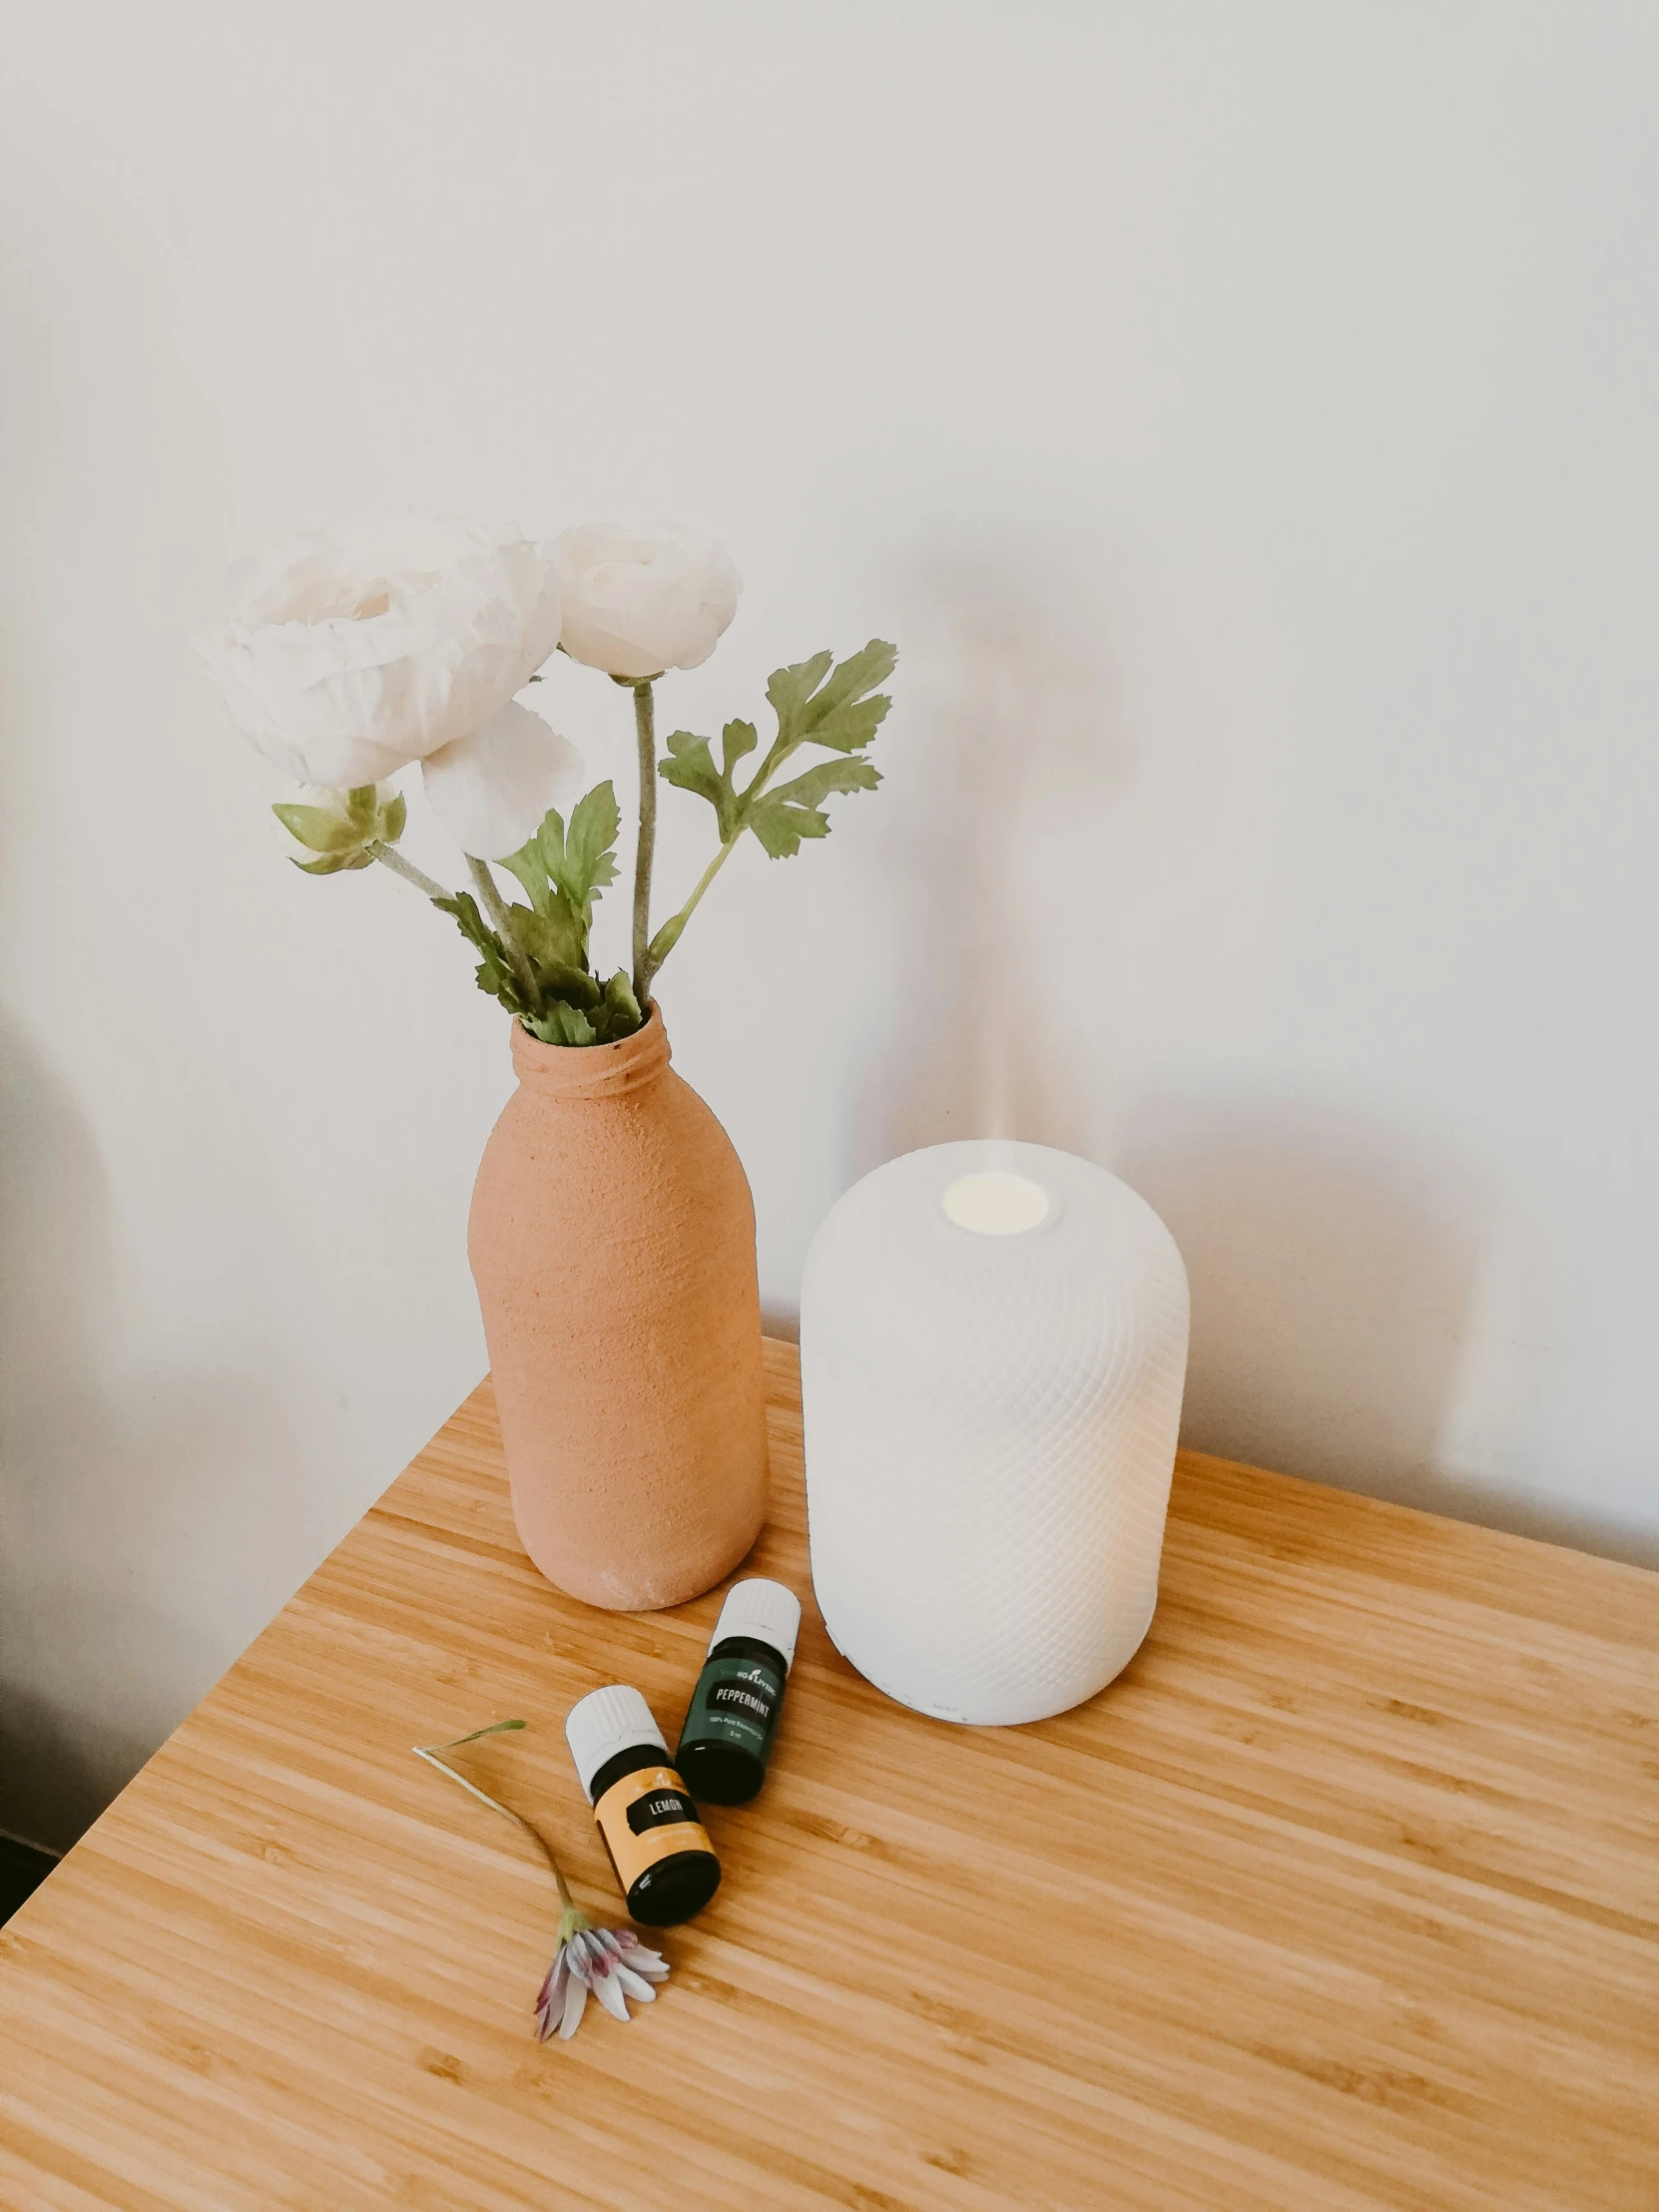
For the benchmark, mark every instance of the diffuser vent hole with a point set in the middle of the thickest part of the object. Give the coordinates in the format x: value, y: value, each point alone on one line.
x: 994, y: 1203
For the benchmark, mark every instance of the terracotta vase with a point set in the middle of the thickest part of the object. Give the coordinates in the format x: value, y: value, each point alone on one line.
x: 612, y: 1240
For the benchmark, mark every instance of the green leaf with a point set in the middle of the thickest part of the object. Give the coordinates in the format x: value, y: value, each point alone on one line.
x: 318, y: 830
x: 789, y: 689
x: 827, y: 777
x: 690, y: 767
x: 858, y: 673
x: 622, y: 1005
x: 791, y: 812
x: 469, y: 920
x: 529, y: 867
x: 853, y: 725
x: 574, y: 985
x: 736, y: 739
x: 588, y: 861
x: 495, y: 975
x: 663, y: 943
x: 781, y: 827
x: 561, y: 1024
x: 557, y: 938
x: 549, y: 842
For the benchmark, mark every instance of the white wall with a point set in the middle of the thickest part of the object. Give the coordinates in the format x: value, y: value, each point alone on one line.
x: 1245, y: 420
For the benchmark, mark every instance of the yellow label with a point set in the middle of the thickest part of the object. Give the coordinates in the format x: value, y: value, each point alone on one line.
x: 646, y: 1815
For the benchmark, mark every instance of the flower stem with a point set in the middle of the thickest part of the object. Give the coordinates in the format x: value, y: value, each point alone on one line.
x: 497, y: 912
x: 645, y: 728
x: 406, y: 868
x: 690, y: 907
x: 429, y: 1752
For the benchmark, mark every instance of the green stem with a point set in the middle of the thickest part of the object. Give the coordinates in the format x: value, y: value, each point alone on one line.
x: 429, y: 1753
x: 690, y: 907
x: 406, y: 868
x: 495, y: 908
x: 645, y: 729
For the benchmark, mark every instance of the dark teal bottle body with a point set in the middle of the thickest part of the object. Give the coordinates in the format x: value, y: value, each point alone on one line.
x: 731, y: 1720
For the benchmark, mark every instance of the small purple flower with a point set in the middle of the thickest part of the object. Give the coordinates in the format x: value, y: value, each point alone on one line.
x: 611, y: 1962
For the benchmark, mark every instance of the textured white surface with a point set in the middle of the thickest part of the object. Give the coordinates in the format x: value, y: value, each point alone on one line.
x: 991, y: 1425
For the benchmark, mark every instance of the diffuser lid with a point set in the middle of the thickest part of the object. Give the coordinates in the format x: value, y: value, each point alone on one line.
x: 764, y: 1609
x: 604, y: 1721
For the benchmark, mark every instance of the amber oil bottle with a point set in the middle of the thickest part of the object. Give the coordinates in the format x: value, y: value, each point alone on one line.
x: 663, y: 1858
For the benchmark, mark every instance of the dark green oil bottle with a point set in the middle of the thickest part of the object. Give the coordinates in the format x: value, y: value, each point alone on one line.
x: 727, y: 1740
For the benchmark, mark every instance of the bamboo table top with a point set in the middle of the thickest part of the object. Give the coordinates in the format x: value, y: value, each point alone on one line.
x: 1345, y: 1894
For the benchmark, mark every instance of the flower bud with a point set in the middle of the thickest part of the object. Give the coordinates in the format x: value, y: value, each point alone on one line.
x: 338, y: 827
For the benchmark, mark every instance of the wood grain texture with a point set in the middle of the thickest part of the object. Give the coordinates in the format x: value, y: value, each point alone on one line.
x: 1344, y: 1895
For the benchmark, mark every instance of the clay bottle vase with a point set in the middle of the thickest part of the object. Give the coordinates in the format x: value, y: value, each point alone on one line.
x: 612, y: 1240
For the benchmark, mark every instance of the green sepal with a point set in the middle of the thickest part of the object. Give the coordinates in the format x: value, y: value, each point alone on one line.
x: 333, y: 863
x: 395, y: 818
x: 317, y: 828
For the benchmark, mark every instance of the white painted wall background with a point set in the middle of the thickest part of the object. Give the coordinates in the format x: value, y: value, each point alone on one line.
x: 1244, y: 418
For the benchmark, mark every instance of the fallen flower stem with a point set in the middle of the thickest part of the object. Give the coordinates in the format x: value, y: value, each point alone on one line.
x: 429, y: 1752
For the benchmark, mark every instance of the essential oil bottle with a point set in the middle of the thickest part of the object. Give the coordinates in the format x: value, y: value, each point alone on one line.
x: 727, y: 1739
x: 662, y: 1859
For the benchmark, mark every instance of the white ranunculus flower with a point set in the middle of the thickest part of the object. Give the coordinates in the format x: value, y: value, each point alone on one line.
x: 351, y: 652
x: 491, y: 791
x: 638, y: 601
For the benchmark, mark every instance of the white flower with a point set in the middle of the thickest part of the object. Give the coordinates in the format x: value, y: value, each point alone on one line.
x: 491, y: 791
x: 639, y: 601
x: 350, y: 653
x: 611, y: 1962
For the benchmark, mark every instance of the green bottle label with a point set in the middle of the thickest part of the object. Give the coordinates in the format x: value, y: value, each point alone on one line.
x: 736, y: 1701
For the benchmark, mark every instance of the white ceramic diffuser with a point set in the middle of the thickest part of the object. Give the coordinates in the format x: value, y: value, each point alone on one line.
x: 993, y: 1343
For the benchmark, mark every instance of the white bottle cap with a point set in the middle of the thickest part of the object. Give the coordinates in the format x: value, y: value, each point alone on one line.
x: 604, y: 1721
x: 764, y: 1609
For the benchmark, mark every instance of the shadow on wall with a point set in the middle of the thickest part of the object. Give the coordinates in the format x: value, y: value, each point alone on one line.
x: 1334, y: 1265
x: 1021, y: 723
x: 115, y: 1494
x: 1333, y: 1262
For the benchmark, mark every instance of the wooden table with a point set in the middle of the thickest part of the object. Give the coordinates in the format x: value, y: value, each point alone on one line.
x: 1345, y: 1894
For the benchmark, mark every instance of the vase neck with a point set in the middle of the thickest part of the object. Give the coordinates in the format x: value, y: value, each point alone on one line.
x: 579, y: 1072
